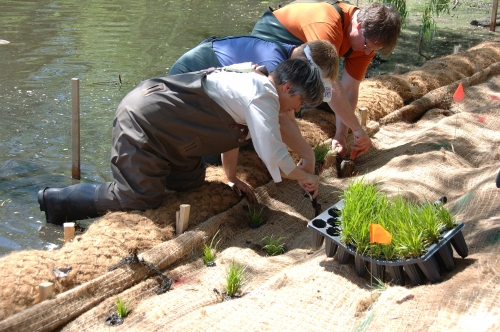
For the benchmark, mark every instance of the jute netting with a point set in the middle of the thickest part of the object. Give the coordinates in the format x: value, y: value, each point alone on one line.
x: 424, y: 146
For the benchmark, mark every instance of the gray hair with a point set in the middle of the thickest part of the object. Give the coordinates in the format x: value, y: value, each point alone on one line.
x: 304, y: 78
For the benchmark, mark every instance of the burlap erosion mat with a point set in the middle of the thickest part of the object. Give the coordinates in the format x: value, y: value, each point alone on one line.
x: 451, y: 150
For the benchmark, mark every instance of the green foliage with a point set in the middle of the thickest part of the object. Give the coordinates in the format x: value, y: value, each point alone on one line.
x: 431, y: 9
x: 122, y: 308
x: 445, y: 217
x: 255, y: 215
x: 321, y: 150
x: 379, y: 285
x: 235, y: 278
x: 413, y: 226
x: 273, y: 246
x: 400, y: 6
x: 209, y: 250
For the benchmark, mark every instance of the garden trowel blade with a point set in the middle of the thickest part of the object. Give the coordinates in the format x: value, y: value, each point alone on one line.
x: 316, y: 205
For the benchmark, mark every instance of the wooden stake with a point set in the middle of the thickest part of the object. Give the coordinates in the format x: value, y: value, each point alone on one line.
x: 479, y: 66
x: 178, y: 229
x: 414, y: 89
x: 69, y: 231
x: 183, y: 220
x: 363, y: 114
x: 75, y: 128
x: 456, y: 49
x: 46, y: 290
x: 494, y: 11
x: 398, y: 69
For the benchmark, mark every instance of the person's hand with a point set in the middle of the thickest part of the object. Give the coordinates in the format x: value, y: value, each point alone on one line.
x: 306, y: 165
x: 240, y: 188
x: 310, y: 184
x: 339, y: 145
x: 362, y: 142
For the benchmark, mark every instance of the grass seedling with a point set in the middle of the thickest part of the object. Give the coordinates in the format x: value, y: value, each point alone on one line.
x: 235, y: 278
x: 255, y: 216
x: 413, y: 226
x: 321, y: 150
x: 122, y: 308
x: 360, y: 208
x: 209, y: 250
x: 429, y: 222
x: 444, y: 217
x: 379, y: 285
x: 273, y: 246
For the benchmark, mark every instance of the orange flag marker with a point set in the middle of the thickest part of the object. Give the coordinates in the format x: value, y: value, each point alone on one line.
x: 378, y: 234
x: 459, y: 93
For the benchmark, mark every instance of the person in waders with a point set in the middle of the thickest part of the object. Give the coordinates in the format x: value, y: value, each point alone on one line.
x: 356, y: 34
x: 165, y: 125
x: 226, y: 51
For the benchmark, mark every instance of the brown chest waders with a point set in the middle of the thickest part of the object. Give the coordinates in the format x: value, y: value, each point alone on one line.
x: 161, y: 130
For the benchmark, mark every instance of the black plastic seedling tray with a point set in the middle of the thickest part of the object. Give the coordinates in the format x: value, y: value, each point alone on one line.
x: 439, y: 255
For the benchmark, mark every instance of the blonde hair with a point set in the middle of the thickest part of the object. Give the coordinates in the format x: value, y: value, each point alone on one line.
x: 324, y: 55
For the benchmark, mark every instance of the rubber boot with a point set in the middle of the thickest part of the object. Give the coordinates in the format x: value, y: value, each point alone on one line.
x: 75, y: 202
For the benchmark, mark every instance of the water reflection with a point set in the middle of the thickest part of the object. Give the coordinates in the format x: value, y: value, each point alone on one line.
x: 99, y: 43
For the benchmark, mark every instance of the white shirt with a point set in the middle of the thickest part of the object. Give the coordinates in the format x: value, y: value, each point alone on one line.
x: 252, y: 99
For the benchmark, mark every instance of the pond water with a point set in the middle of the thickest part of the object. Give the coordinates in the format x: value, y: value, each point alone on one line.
x: 110, y: 46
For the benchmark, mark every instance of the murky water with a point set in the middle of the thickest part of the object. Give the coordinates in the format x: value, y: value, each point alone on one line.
x: 101, y: 43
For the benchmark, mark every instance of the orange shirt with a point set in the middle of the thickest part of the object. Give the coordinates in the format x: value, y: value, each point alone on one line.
x: 313, y: 21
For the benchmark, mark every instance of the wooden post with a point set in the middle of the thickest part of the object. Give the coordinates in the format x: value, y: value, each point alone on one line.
x: 363, y: 114
x: 183, y: 220
x: 456, y: 49
x: 479, y: 66
x: 69, y: 231
x: 46, y: 290
x: 75, y: 128
x: 494, y: 11
x: 414, y: 89
x: 398, y: 69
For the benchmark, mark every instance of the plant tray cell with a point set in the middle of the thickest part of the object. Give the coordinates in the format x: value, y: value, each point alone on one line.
x: 439, y: 256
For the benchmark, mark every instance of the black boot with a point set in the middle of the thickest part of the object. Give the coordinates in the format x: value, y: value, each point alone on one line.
x: 75, y: 202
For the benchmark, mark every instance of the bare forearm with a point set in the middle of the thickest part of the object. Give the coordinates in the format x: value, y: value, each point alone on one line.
x: 343, y: 106
x: 230, y: 163
x: 292, y: 137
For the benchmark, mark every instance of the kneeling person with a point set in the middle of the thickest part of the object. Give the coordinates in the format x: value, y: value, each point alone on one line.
x: 166, y: 125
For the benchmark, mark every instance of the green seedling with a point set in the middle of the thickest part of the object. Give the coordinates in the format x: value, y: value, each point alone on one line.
x: 235, y: 278
x: 379, y: 285
x: 209, y: 251
x: 122, y: 308
x: 255, y: 216
x: 321, y: 150
x: 273, y: 246
x: 444, y: 217
x: 413, y: 226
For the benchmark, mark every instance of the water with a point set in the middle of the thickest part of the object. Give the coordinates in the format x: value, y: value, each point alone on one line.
x: 110, y: 46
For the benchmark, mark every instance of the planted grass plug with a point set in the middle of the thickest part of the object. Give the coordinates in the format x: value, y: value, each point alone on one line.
x: 235, y: 279
x: 255, y: 216
x: 209, y: 252
x: 273, y: 246
x: 320, y: 152
x: 122, y: 310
